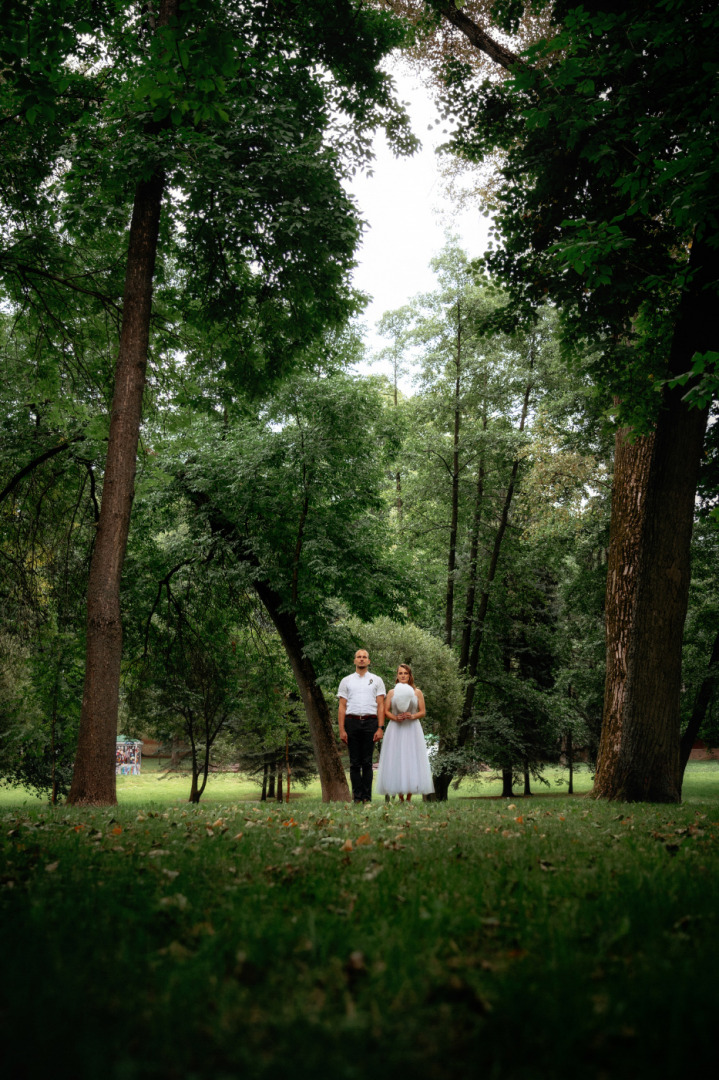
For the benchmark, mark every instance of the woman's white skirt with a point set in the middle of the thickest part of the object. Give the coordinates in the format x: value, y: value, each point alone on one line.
x: 404, y: 767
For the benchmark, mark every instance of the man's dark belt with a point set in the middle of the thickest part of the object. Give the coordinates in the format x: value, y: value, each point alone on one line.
x: 361, y: 716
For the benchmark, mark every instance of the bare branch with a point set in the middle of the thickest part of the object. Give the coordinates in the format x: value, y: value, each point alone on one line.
x: 161, y: 585
x: 45, y: 456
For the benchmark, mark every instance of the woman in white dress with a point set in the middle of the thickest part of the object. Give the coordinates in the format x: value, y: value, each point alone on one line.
x: 404, y: 767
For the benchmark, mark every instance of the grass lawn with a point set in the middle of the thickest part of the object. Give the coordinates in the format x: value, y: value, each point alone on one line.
x: 540, y: 937
x: 152, y: 786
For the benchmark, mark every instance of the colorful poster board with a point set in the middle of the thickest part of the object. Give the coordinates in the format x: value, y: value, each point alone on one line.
x: 128, y: 756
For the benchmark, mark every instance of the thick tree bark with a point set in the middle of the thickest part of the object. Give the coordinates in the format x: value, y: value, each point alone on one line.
x: 639, y: 757
x: 632, y: 460
x: 527, y: 781
x: 507, y: 779
x: 704, y: 696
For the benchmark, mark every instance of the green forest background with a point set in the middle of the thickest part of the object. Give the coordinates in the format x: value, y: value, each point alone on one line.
x: 464, y: 527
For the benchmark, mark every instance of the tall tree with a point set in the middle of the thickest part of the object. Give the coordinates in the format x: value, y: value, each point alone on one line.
x: 249, y: 113
x: 608, y: 200
x: 294, y: 493
x: 463, y: 452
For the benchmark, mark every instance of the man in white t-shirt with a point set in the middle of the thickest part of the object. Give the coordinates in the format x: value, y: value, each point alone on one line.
x: 361, y: 721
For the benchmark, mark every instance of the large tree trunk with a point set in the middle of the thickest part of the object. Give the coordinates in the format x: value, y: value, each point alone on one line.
x: 704, y: 696
x: 194, y: 785
x: 329, y: 763
x: 441, y: 785
x: 93, y: 781
x: 632, y: 459
x: 639, y: 757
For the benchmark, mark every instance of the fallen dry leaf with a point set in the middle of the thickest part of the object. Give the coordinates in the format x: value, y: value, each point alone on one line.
x: 177, y: 900
x: 372, y: 871
x: 203, y: 928
x: 176, y: 950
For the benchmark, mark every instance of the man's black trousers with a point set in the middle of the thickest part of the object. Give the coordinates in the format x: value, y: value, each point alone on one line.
x: 360, y: 743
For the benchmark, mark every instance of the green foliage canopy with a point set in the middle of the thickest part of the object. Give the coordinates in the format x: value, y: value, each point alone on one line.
x: 609, y: 175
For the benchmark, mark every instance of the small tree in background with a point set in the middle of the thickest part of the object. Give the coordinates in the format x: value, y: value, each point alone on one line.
x: 40, y: 693
x: 188, y: 682
x: 434, y: 666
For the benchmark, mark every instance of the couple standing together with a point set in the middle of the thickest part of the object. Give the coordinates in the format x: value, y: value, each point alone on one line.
x: 363, y: 707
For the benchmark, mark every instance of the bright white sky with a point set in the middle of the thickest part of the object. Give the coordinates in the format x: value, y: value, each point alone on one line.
x: 408, y: 214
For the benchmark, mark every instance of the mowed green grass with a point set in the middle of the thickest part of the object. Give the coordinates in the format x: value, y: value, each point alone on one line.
x: 155, y: 785
x: 534, y: 938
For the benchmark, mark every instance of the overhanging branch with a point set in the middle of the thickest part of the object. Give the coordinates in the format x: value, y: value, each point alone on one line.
x: 477, y: 37
x: 39, y: 460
